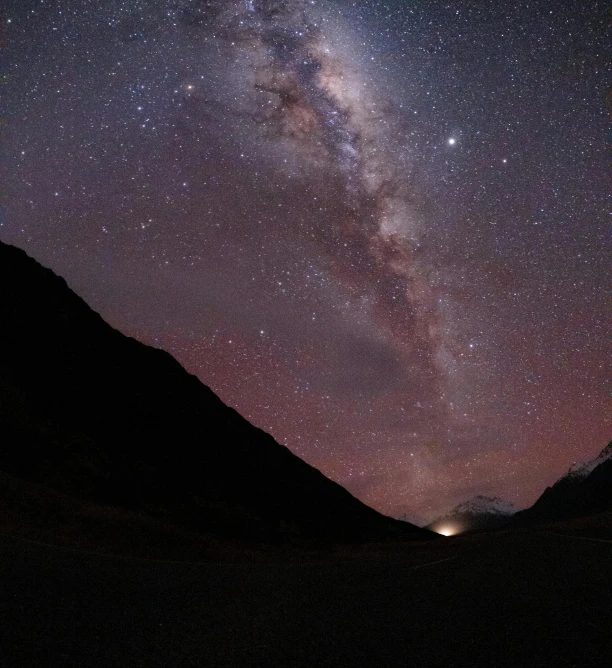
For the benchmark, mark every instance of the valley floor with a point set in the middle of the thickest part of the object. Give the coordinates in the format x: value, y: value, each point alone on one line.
x: 522, y: 598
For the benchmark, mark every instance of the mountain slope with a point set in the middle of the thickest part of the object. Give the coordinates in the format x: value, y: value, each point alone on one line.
x: 584, y: 490
x: 477, y: 514
x: 584, y: 469
x: 91, y: 412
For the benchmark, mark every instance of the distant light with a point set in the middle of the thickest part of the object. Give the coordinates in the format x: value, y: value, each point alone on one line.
x: 447, y: 531
x: 452, y: 141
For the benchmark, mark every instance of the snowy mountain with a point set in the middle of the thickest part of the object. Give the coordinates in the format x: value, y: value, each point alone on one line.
x: 482, y: 505
x: 584, y: 490
x: 582, y: 470
x: 476, y: 514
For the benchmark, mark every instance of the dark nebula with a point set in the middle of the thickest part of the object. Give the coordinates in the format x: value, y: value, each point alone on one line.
x: 375, y: 228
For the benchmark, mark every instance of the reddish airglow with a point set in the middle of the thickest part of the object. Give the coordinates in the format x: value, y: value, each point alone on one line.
x: 392, y: 269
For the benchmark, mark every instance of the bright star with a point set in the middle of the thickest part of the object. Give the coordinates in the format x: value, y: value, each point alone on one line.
x: 452, y: 141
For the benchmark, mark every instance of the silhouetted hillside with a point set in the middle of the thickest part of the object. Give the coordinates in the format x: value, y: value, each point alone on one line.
x: 88, y: 411
x: 585, y: 490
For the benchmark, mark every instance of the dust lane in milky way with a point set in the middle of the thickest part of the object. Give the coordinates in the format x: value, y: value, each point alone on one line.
x: 377, y: 230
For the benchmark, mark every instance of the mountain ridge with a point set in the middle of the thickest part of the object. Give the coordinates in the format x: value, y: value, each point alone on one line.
x: 89, y: 411
x: 584, y: 490
x: 582, y: 469
x: 478, y: 513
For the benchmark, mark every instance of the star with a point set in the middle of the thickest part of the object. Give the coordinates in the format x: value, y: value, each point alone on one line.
x: 312, y: 228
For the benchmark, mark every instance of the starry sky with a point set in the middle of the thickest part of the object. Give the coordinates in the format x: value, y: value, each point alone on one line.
x: 378, y: 229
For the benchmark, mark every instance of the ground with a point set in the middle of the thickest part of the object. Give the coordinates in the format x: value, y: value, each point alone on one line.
x: 523, y: 598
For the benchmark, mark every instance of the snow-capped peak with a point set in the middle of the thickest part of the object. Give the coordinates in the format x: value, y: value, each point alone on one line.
x: 581, y: 470
x: 482, y: 505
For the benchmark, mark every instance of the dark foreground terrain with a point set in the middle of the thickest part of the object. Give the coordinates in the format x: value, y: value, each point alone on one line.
x: 101, y: 418
x: 523, y: 598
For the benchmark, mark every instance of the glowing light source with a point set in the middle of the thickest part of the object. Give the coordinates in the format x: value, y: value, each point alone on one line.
x: 447, y: 531
x: 452, y: 141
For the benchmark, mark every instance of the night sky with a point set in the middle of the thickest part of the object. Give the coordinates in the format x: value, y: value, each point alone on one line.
x: 377, y: 229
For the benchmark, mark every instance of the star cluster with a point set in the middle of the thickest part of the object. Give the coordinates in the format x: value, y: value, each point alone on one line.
x: 375, y: 228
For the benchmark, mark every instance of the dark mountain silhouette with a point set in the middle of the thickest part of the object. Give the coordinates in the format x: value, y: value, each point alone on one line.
x: 480, y: 513
x: 585, y: 490
x: 90, y: 412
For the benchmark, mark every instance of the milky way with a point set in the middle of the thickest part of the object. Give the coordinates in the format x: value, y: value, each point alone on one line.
x: 312, y: 96
x: 376, y: 230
